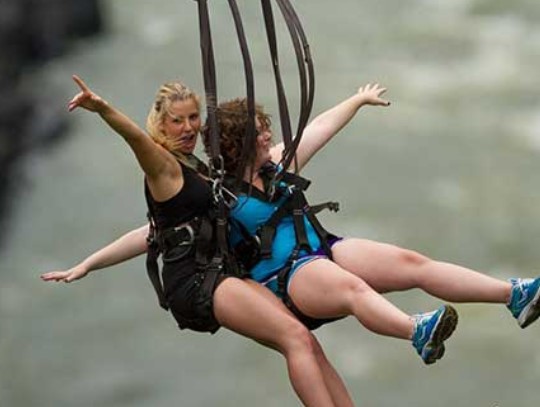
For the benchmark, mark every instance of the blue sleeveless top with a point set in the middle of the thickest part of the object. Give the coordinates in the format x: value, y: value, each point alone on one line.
x: 253, y: 212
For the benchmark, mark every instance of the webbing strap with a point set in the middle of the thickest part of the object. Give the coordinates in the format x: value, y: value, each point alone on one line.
x: 267, y: 231
x: 209, y: 76
x: 152, y: 254
x: 302, y: 242
x: 284, y: 117
x: 296, y: 206
x: 322, y: 233
x: 251, y: 132
x: 307, y: 81
x: 216, y: 161
x: 305, y: 69
x: 152, y: 270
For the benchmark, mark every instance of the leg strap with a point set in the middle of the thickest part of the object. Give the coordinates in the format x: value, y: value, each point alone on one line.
x: 309, y: 322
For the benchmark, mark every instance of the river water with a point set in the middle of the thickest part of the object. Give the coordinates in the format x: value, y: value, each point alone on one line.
x: 451, y: 169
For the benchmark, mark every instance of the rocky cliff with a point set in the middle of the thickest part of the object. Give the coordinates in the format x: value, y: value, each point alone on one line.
x: 32, y: 32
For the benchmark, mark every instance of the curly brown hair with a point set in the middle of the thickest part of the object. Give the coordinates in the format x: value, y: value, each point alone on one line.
x: 232, y: 118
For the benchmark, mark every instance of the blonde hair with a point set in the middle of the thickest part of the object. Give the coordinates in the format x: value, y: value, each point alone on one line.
x: 167, y: 94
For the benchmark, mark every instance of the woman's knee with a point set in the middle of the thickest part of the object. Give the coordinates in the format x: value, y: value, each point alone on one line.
x: 352, y: 291
x: 411, y: 258
x: 413, y: 266
x: 297, y: 338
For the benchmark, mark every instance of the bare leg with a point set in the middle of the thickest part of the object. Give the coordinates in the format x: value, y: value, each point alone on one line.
x: 322, y: 289
x: 242, y: 309
x: 389, y: 268
x: 334, y: 382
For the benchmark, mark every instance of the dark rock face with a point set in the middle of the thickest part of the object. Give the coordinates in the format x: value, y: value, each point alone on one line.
x: 31, y: 33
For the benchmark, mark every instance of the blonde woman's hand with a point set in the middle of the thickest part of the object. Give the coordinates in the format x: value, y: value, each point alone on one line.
x: 74, y: 273
x: 86, y: 98
x: 371, y: 95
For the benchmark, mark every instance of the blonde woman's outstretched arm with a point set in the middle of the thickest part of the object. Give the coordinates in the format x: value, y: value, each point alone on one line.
x: 130, y: 245
x: 157, y: 163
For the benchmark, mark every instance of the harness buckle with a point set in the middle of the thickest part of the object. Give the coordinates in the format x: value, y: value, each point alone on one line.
x: 217, y: 190
x: 232, y: 198
x: 291, y: 188
x: 190, y: 231
x: 150, y: 240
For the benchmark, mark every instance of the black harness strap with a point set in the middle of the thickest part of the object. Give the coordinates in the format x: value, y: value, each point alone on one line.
x: 251, y: 132
x: 302, y: 242
x: 268, y: 230
x: 284, y: 117
x: 306, y: 74
x: 209, y: 76
x: 307, y: 78
x: 216, y: 161
x: 152, y: 268
x: 296, y: 206
x: 197, y: 164
x: 307, y: 81
x: 330, y: 205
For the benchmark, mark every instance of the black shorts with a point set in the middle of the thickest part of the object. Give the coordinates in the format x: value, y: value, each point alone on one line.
x: 189, y: 292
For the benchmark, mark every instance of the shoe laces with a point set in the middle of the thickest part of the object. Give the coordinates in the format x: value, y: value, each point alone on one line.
x: 520, y: 285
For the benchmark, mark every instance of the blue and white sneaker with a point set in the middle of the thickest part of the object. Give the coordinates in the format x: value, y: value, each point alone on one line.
x: 525, y: 300
x: 431, y: 330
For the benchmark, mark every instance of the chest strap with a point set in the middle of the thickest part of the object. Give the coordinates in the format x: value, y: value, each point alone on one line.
x: 253, y: 248
x: 152, y: 267
x: 297, y: 207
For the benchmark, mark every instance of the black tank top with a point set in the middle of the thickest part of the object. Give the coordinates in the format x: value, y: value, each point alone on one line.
x: 194, y: 199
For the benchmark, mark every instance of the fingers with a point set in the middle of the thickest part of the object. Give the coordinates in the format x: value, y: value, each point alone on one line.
x: 379, y: 91
x: 372, y: 94
x: 75, y: 102
x: 81, y: 84
x: 62, y: 276
x: 73, y: 276
x: 373, y: 88
x: 55, y: 276
x: 86, y: 98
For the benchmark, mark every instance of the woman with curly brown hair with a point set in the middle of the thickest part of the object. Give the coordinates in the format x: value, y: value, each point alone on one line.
x: 177, y: 194
x: 322, y: 277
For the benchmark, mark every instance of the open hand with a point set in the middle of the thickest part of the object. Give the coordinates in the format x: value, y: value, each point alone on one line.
x: 67, y: 276
x: 86, y: 98
x: 371, y: 95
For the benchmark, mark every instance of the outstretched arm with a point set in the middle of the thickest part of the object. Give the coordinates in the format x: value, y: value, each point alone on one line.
x: 326, y: 125
x: 153, y: 159
x: 130, y: 245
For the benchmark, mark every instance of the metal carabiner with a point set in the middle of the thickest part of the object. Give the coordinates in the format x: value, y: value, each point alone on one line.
x: 232, y: 198
x: 217, y: 190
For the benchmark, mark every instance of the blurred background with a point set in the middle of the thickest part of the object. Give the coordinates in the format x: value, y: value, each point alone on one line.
x: 451, y: 169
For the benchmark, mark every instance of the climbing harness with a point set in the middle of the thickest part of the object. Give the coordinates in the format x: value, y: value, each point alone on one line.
x: 260, y: 246
x: 292, y: 203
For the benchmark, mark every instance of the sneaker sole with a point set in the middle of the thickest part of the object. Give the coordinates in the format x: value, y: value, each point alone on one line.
x: 531, y: 312
x: 445, y: 327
